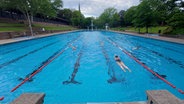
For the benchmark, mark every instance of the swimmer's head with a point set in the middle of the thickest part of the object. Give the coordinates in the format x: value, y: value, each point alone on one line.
x: 116, y: 56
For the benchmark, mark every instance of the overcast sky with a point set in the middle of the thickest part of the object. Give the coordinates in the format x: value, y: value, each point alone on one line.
x: 96, y: 7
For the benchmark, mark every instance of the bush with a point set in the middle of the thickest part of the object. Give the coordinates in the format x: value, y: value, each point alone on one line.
x: 168, y: 30
x: 174, y: 31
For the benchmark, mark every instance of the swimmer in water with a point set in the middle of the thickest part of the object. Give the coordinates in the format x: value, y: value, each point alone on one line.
x: 121, y: 64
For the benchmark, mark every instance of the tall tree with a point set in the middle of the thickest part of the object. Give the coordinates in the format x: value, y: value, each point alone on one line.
x: 145, y: 16
x: 87, y: 22
x: 129, y: 16
x: 65, y: 14
x: 115, y: 20
x: 110, y: 17
x: 31, y: 7
x: 122, y: 17
x: 77, y: 18
x: 177, y: 20
x: 56, y: 4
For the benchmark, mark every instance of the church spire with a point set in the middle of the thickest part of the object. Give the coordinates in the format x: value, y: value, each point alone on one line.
x: 79, y: 6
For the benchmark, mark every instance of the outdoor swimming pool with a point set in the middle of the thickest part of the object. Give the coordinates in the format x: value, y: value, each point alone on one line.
x: 89, y: 73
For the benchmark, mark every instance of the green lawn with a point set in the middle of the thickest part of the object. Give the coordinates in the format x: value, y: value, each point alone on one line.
x: 11, y: 29
x: 16, y: 27
x: 61, y: 27
x: 153, y: 30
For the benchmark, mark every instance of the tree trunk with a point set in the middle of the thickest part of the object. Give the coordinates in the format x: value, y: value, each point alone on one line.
x: 139, y: 30
x: 146, y: 29
x: 162, y: 23
x: 29, y: 22
x: 24, y: 9
x: 31, y: 18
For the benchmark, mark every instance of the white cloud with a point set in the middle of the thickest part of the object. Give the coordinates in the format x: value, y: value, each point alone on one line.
x: 96, y: 7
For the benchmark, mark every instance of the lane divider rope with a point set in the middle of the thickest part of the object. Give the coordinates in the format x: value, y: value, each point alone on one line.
x: 1, y: 98
x: 25, y: 80
x: 146, y: 67
x: 44, y: 65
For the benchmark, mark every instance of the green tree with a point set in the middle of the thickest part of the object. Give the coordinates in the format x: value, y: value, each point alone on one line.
x: 159, y: 9
x: 47, y: 8
x: 145, y: 16
x: 56, y: 4
x: 98, y: 23
x: 87, y: 22
x: 109, y: 16
x: 65, y: 14
x: 122, y: 17
x: 39, y: 7
x: 115, y: 20
x: 77, y: 18
x: 129, y: 16
x: 31, y: 7
x: 177, y: 20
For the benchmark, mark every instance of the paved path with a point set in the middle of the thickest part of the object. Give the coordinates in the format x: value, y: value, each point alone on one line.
x: 175, y: 40
x: 5, y: 41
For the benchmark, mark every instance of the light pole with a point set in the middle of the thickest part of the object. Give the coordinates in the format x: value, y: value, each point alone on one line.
x: 106, y: 26
x: 92, y: 25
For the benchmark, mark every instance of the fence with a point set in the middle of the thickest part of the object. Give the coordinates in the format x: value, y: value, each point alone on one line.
x: 16, y: 16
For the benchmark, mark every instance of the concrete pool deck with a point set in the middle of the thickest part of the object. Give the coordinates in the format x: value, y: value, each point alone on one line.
x: 169, y: 39
x: 6, y: 41
x: 153, y: 97
x: 141, y: 102
x: 175, y: 40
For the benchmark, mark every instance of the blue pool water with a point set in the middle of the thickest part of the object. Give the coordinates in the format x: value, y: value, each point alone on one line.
x: 89, y: 73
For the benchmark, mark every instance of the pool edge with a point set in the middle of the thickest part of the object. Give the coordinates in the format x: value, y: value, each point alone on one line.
x: 167, y: 39
x: 21, y: 39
